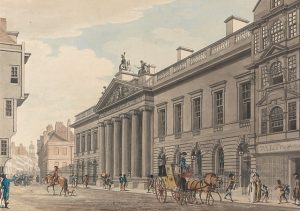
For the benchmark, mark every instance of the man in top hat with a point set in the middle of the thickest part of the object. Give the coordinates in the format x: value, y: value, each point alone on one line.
x: 230, y: 187
x: 297, y: 189
x: 55, y: 174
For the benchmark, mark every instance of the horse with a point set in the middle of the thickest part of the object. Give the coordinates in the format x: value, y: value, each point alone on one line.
x: 208, y: 185
x: 62, y: 182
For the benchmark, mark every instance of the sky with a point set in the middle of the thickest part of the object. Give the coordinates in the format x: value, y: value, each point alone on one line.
x: 76, y: 46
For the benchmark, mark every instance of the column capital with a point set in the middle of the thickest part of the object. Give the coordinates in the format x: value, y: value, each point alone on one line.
x: 107, y: 122
x: 116, y: 119
x: 135, y: 112
x: 124, y: 116
x: 146, y: 108
x: 100, y: 124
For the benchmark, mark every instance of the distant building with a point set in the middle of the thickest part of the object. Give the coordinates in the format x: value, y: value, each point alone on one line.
x: 55, y: 148
x: 22, y: 162
x: 12, y: 77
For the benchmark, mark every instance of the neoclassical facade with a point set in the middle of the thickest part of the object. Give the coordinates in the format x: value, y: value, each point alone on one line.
x: 232, y: 106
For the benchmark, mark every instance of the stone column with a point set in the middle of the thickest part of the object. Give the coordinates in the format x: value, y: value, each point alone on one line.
x: 80, y: 144
x: 125, y: 142
x: 92, y: 141
x: 109, y: 147
x: 135, y: 154
x: 101, y: 138
x: 117, y: 146
x: 86, y: 141
x: 146, y: 141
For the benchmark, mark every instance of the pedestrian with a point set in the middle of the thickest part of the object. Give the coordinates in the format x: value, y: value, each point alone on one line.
x: 258, y: 185
x: 121, y: 182
x: 5, y: 186
x: 86, y: 180
x: 297, y: 189
x: 264, y: 193
x: 230, y: 187
x: 252, y: 188
x: 281, y: 193
x: 124, y: 182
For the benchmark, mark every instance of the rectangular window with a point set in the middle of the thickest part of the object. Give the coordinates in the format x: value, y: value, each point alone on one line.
x: 256, y: 43
x: 4, y: 147
x: 264, y: 77
x: 14, y: 75
x: 196, y: 113
x: 89, y: 147
x: 245, y: 101
x: 276, y: 3
x: 8, y: 108
x: 219, y: 108
x: 95, y: 139
x: 292, y: 66
x: 292, y: 24
x: 162, y: 122
x: 265, y: 42
x: 178, y: 118
x: 77, y: 143
x: 56, y: 151
x: 292, y: 115
x: 264, y: 121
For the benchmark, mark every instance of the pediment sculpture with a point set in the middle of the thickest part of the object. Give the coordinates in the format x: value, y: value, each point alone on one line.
x: 120, y: 92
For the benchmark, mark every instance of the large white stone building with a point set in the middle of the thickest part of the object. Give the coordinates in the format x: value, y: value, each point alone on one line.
x: 232, y: 106
x: 12, y: 90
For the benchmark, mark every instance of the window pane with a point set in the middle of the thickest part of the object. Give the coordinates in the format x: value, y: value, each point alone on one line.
x: 219, y: 107
x: 162, y: 123
x: 196, y: 114
x: 292, y: 66
x: 178, y: 118
x: 276, y: 120
x: 276, y: 73
x: 8, y: 108
x: 4, y: 147
x: 292, y: 116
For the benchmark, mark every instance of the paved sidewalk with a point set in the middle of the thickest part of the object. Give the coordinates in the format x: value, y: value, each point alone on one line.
x: 237, y: 197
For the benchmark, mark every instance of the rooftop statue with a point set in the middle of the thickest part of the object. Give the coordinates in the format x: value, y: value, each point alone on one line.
x: 125, y: 65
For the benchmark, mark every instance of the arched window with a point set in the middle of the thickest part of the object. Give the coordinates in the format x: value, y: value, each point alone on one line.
x: 276, y: 119
x: 277, y: 33
x: 276, y: 73
x: 219, y: 161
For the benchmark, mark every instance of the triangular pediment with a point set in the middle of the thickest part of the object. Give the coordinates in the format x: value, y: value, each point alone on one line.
x: 117, y: 90
x: 273, y: 49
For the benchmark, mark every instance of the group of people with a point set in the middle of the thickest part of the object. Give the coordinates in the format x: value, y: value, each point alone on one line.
x: 22, y: 179
x: 123, y: 182
x: 260, y: 192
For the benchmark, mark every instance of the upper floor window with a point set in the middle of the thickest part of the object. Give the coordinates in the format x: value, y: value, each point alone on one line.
x: 276, y: 3
x: 245, y: 101
x: 276, y: 73
x: 276, y: 120
x: 292, y: 116
x: 265, y: 39
x: 264, y: 77
x: 161, y: 122
x: 292, y: 66
x: 219, y: 108
x: 292, y: 24
x: 196, y: 113
x: 4, y: 147
x: 256, y: 43
x: 14, y: 74
x: 178, y: 118
x: 277, y: 33
x: 8, y: 108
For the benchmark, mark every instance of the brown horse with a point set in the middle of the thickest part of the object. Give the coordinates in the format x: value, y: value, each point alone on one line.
x: 62, y: 182
x: 208, y: 185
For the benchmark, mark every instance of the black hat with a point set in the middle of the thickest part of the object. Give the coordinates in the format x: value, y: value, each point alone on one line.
x: 231, y: 175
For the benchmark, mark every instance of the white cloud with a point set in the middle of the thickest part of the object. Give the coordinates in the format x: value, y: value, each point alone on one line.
x: 60, y: 86
x: 56, y: 18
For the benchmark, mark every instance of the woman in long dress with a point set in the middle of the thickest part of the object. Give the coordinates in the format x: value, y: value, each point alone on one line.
x: 252, y: 189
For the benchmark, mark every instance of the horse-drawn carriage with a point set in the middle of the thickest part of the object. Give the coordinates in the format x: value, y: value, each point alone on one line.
x: 185, y: 189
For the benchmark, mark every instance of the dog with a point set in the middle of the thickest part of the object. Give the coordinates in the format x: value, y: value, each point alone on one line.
x: 71, y: 192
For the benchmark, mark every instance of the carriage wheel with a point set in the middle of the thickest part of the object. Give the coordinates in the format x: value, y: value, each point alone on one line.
x: 160, y: 190
x: 179, y: 196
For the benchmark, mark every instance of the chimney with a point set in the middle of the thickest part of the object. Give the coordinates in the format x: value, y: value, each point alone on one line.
x: 3, y: 25
x: 183, y: 52
x: 234, y: 23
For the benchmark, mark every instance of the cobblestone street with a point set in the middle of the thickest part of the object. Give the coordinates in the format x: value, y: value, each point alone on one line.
x: 35, y: 197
